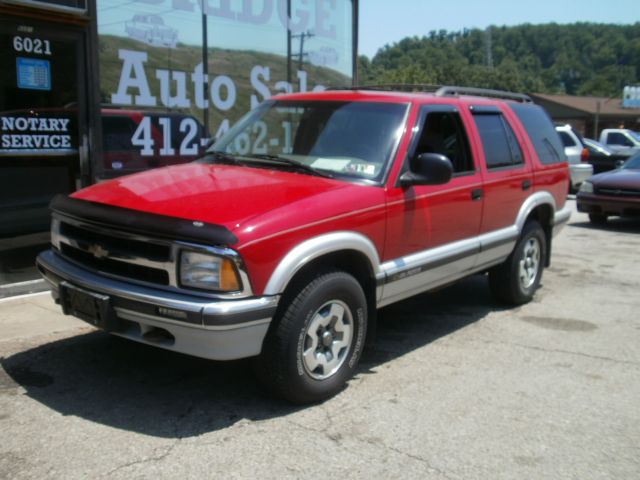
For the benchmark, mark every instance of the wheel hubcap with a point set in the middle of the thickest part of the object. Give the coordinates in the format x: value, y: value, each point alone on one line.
x: 327, y: 339
x: 529, y: 263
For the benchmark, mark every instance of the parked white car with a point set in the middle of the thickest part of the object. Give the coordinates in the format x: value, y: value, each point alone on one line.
x: 577, y: 154
x: 151, y: 30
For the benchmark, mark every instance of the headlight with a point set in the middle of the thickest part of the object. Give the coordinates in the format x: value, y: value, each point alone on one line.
x: 586, y: 187
x: 208, y: 272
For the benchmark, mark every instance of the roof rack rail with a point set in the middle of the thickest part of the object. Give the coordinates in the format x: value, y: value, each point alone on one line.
x: 442, y: 91
x: 402, y: 87
x: 450, y: 91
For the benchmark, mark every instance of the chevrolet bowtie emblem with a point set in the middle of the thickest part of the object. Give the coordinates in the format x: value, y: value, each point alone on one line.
x: 97, y: 251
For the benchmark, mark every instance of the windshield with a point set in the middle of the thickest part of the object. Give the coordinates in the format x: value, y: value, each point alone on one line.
x: 343, y: 139
x: 635, y: 135
x: 633, y: 163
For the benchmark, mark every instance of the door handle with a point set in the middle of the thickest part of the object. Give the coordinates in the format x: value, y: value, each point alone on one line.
x: 476, y: 194
x: 526, y: 184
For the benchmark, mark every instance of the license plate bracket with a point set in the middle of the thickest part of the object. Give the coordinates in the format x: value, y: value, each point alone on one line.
x: 94, y: 308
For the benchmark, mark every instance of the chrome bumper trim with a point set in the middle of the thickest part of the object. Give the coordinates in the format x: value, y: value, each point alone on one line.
x: 222, y: 313
x: 217, y: 330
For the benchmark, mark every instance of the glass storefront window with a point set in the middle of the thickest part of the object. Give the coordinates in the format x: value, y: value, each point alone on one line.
x: 78, y: 6
x: 181, y: 73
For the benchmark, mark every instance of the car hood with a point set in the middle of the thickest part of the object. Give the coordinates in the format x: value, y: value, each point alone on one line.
x: 237, y: 197
x: 622, y: 178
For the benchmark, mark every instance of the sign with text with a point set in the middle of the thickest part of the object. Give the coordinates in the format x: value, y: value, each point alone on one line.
x: 33, y: 73
x: 214, y: 60
x: 631, y: 97
x: 36, y: 134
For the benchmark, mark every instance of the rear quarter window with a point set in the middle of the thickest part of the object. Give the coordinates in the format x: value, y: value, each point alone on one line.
x: 567, y: 141
x: 541, y: 131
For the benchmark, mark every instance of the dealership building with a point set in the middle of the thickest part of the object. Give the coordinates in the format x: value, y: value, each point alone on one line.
x: 95, y: 89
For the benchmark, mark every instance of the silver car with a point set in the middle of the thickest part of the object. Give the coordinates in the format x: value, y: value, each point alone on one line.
x: 577, y: 154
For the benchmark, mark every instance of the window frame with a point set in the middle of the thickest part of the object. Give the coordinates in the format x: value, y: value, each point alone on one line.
x: 514, y: 147
x: 423, y: 112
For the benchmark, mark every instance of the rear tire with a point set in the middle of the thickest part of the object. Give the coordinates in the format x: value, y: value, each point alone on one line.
x: 515, y: 281
x: 597, y: 218
x: 316, y: 340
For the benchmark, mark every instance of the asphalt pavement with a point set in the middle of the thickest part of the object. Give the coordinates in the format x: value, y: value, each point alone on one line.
x: 456, y: 387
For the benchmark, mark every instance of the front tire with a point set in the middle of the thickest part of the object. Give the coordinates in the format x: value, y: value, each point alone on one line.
x: 515, y: 281
x: 316, y: 340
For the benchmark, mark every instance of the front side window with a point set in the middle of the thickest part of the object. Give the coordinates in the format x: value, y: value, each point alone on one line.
x: 351, y: 140
x: 444, y: 133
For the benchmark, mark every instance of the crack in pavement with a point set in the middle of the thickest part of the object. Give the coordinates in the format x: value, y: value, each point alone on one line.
x: 557, y: 350
x: 157, y: 458
x: 336, y: 438
x: 168, y: 450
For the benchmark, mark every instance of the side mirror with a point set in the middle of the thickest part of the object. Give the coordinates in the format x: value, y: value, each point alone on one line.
x: 428, y: 169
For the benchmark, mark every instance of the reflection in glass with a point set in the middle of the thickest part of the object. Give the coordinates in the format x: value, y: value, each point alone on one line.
x: 213, y: 61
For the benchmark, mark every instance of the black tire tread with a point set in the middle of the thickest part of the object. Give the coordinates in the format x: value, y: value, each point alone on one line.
x: 268, y: 365
x: 501, y: 278
x: 597, y: 218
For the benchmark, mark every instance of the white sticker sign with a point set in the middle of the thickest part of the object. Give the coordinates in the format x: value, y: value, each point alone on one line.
x: 28, y: 134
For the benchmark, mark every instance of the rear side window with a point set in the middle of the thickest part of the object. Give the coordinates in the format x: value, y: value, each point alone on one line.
x: 541, y: 131
x: 501, y: 149
x: 567, y: 141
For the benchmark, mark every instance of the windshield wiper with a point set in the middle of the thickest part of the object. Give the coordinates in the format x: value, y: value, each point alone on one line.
x: 218, y: 156
x: 289, y: 162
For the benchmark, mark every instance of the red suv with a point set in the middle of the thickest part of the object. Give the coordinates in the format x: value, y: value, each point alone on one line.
x: 312, y: 212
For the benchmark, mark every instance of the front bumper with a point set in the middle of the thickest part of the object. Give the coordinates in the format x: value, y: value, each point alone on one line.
x: 579, y: 172
x: 608, y: 205
x: 213, y: 329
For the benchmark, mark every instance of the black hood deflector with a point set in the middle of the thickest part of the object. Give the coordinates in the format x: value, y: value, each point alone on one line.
x: 143, y: 223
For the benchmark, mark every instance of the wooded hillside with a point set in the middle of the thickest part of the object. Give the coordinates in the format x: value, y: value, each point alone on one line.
x: 576, y: 59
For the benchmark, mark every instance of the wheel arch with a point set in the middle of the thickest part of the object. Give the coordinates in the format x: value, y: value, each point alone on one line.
x: 350, y: 252
x: 541, y: 207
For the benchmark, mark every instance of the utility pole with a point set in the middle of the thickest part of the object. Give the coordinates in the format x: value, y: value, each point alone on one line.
x: 597, y: 120
x: 489, y: 48
x: 289, y: 42
x: 205, y: 67
x: 302, y: 53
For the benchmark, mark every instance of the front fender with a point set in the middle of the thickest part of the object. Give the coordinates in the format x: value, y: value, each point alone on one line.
x: 316, y: 247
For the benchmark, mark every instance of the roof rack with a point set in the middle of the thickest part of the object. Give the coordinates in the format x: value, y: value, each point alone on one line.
x: 448, y: 91
x: 443, y: 91
x: 396, y: 87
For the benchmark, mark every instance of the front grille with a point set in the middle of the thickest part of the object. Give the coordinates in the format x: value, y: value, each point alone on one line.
x: 114, y: 252
x: 115, y: 267
x: 618, y: 192
x: 136, y: 248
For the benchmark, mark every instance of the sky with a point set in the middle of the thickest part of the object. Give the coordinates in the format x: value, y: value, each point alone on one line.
x: 388, y: 21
